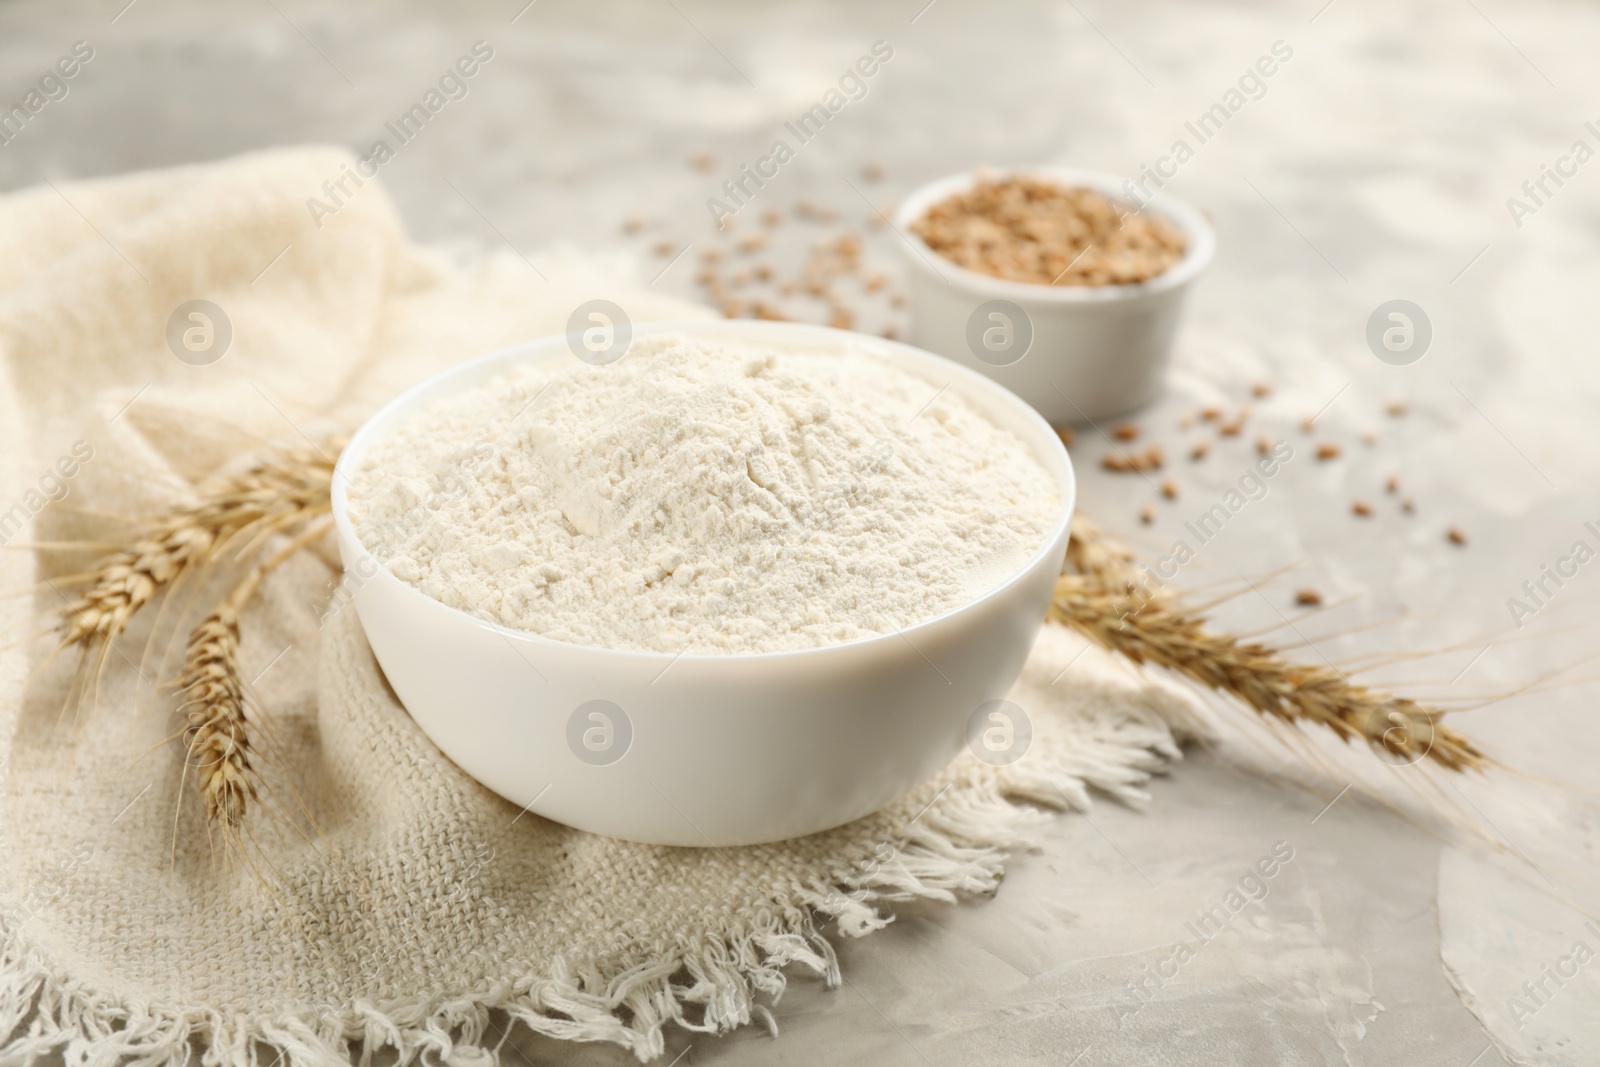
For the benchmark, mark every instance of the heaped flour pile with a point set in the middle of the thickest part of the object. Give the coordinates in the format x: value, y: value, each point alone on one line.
x: 704, y: 496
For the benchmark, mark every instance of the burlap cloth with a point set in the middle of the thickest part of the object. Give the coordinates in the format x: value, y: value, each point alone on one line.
x: 418, y: 902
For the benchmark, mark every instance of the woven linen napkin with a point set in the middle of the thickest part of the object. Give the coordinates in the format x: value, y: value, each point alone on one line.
x: 390, y: 902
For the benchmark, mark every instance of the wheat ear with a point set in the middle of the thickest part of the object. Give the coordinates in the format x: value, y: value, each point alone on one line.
x: 1102, y: 595
x: 217, y: 734
x: 217, y: 739
x: 278, y: 492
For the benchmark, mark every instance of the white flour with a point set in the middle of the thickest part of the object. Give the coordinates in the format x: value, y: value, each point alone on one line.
x: 704, y: 496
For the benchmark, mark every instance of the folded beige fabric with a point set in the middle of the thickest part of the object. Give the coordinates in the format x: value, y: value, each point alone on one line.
x: 393, y: 902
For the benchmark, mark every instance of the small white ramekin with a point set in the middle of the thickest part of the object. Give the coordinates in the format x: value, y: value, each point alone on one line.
x: 1090, y: 351
x: 709, y: 750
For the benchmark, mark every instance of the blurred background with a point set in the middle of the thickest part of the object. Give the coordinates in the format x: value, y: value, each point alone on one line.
x: 1378, y: 163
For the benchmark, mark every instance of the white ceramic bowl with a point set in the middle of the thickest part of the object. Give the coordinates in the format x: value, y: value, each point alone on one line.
x: 702, y: 749
x: 1095, y: 351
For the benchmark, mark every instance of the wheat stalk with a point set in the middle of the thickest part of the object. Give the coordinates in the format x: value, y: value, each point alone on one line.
x: 282, y: 491
x: 1102, y: 593
x: 1104, y: 596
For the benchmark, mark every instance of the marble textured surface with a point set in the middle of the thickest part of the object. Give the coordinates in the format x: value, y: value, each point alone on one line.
x: 1375, y: 164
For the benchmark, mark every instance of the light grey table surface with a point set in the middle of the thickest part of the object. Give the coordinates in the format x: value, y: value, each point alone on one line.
x: 1376, y: 164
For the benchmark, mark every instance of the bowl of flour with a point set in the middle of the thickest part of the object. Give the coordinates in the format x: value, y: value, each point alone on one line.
x: 749, y: 581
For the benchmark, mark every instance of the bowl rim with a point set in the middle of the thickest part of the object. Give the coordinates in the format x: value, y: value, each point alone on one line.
x: 395, y: 410
x: 1202, y: 239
